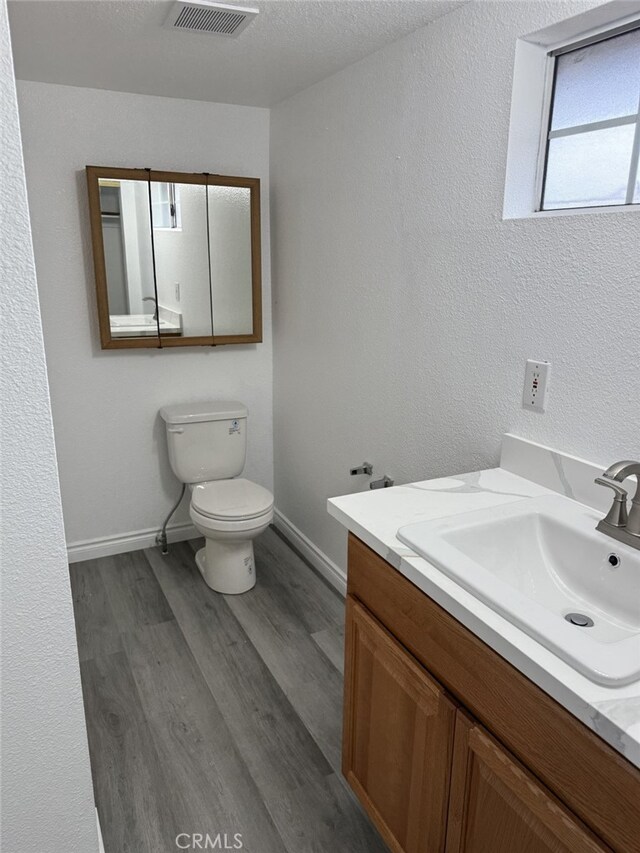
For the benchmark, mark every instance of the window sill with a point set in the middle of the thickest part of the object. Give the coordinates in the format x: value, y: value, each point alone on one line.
x: 574, y: 211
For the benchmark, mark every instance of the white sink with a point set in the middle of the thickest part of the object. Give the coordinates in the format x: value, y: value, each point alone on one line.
x: 139, y: 325
x: 536, y: 560
x: 132, y: 320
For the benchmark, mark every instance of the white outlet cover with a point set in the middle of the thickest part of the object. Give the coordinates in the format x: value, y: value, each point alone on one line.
x: 536, y: 385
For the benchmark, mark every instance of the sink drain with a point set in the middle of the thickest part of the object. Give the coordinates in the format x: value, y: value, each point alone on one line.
x: 579, y: 619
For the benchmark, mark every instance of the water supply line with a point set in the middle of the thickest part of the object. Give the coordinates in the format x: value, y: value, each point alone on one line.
x: 161, y: 538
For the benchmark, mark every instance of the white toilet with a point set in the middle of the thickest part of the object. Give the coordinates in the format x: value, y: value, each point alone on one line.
x: 207, y: 449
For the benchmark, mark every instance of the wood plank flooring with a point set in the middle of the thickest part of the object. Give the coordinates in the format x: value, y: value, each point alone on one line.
x: 215, y: 714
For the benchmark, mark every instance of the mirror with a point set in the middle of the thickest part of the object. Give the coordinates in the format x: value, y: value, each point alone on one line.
x: 176, y: 256
x: 179, y: 219
x: 230, y: 254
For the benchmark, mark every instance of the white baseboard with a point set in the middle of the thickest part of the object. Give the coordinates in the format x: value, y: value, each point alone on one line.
x: 107, y: 546
x: 100, y: 840
x: 318, y: 559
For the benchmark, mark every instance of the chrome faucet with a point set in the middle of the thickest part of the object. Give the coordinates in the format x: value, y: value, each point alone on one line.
x: 155, y: 304
x: 620, y: 525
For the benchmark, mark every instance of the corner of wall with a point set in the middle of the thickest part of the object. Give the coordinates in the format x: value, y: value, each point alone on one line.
x: 46, y: 773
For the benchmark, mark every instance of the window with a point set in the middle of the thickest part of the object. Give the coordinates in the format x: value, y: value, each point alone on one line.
x: 165, y: 206
x: 593, y: 139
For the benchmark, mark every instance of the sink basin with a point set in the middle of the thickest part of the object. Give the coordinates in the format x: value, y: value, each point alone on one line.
x: 538, y: 561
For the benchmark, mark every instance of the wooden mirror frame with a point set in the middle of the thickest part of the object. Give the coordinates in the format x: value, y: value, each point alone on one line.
x: 94, y: 173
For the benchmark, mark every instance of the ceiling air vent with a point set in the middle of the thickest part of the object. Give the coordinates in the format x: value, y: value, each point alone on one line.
x: 204, y: 17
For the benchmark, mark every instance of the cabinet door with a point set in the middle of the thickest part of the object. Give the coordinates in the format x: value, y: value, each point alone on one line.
x: 398, y: 737
x: 497, y: 806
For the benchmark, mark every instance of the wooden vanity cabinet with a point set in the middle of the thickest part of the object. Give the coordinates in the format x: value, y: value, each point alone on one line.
x: 497, y: 806
x: 398, y: 739
x: 452, y: 750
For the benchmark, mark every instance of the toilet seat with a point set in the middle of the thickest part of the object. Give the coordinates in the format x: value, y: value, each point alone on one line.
x: 230, y: 528
x: 236, y: 500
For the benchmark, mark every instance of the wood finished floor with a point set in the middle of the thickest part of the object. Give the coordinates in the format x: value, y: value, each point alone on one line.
x: 215, y: 714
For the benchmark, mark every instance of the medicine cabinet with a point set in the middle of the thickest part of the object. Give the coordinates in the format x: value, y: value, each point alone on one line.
x: 177, y: 258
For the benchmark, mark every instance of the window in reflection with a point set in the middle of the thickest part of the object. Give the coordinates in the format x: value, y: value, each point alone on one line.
x: 165, y: 206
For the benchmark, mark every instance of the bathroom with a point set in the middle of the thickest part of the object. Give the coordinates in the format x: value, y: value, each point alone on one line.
x: 418, y: 308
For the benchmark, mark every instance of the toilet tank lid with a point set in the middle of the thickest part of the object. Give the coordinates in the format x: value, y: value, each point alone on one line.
x: 212, y: 410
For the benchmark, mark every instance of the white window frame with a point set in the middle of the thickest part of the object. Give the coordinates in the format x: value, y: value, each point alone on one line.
x: 172, y: 204
x: 533, y: 74
x: 546, y: 134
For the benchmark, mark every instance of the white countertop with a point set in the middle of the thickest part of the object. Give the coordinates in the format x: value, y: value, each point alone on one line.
x: 145, y: 325
x: 375, y: 516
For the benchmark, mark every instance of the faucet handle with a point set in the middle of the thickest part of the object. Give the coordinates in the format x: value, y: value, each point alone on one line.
x: 617, y: 515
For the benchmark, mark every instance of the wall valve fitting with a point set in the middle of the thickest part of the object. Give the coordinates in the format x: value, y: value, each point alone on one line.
x: 383, y: 483
x: 365, y: 468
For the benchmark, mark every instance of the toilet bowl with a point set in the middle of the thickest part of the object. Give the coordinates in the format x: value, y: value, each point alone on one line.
x: 207, y: 444
x: 229, y: 514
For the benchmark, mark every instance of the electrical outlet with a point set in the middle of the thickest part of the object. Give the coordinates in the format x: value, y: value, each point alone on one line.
x: 536, y: 385
x: 177, y: 291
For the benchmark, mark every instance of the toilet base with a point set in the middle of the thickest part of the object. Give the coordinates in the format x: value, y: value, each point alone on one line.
x: 227, y: 567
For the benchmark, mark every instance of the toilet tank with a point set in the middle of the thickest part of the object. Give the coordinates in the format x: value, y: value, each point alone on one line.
x: 207, y: 441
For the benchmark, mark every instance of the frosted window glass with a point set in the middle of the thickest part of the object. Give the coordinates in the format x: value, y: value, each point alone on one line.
x: 598, y: 82
x: 589, y: 169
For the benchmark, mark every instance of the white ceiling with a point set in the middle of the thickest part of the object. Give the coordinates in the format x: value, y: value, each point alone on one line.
x: 123, y: 46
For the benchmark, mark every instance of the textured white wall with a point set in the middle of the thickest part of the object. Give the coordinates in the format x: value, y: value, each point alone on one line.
x: 182, y: 257
x: 47, y: 798
x: 114, y: 470
x: 404, y: 307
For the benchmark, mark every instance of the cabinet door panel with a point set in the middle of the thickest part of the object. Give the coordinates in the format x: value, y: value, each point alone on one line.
x: 398, y: 737
x: 497, y: 806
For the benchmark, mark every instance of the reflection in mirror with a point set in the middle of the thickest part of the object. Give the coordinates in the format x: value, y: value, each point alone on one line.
x: 182, y: 268
x: 128, y: 257
x: 230, y: 254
